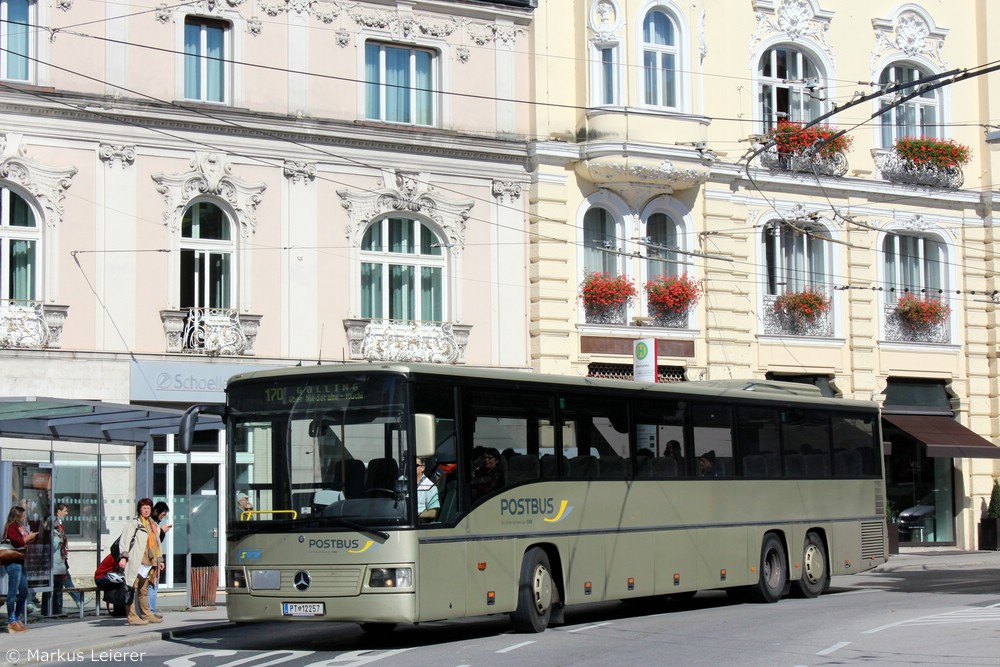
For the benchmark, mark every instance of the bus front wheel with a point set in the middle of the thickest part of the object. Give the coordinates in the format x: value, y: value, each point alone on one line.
x: 773, y: 571
x: 815, y: 575
x: 534, y: 593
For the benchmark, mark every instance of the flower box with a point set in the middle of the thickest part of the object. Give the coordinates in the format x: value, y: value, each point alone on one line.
x: 671, y: 297
x: 605, y: 297
x: 801, y: 307
x: 929, y: 152
x: 794, y: 149
x: 921, y: 313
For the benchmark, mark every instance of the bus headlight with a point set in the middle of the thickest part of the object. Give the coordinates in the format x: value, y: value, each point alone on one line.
x: 391, y: 577
x: 237, y: 578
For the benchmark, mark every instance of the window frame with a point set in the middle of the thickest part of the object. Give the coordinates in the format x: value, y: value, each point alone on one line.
x: 205, y: 249
x: 204, y: 24
x: 770, y: 114
x: 419, y: 261
x: 898, y: 262
x: 659, y: 98
x: 606, y: 77
x: 30, y: 50
x: 806, y: 247
x: 890, y: 131
x: 9, y: 234
x: 414, y: 109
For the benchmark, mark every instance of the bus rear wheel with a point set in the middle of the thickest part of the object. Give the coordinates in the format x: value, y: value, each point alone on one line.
x: 773, y: 571
x: 534, y: 593
x: 815, y: 575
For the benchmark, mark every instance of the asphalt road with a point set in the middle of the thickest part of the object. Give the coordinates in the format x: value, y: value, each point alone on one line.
x: 918, y: 613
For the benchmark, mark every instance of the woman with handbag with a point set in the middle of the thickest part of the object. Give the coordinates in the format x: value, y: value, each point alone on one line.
x: 18, y: 536
x: 143, y: 560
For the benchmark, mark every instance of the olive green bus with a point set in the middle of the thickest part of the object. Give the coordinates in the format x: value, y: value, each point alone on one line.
x: 534, y: 492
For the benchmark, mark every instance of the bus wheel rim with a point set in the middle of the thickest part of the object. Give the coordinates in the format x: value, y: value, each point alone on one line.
x: 771, y: 568
x: 814, y: 565
x: 542, y: 589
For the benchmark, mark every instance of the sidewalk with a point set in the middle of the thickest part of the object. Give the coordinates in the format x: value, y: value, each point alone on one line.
x: 66, y: 639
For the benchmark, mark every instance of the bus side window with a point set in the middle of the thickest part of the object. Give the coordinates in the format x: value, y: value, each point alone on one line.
x: 712, y: 429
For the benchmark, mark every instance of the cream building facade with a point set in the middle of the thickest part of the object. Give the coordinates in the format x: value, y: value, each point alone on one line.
x: 652, y: 157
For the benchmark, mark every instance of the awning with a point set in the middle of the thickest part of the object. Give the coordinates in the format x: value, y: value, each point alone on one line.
x: 89, y: 421
x: 944, y: 436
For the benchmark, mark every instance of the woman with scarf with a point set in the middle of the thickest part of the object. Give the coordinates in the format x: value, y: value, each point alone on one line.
x: 142, y: 560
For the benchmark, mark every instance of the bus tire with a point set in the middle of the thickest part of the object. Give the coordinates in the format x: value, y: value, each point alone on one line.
x: 534, y: 593
x: 773, y: 571
x: 815, y: 574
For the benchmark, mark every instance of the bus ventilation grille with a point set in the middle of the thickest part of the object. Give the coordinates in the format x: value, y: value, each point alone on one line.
x: 624, y: 372
x: 872, y: 540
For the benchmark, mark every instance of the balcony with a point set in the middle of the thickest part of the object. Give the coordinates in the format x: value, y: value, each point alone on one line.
x: 779, y: 322
x: 30, y: 324
x: 407, y: 340
x: 901, y: 330
x: 210, y: 331
x: 897, y: 169
x: 805, y: 162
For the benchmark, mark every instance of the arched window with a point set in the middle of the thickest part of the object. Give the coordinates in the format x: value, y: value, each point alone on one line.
x: 207, y: 257
x: 913, y: 263
x: 918, y: 117
x: 20, y: 254
x: 789, y: 82
x: 600, y: 242
x: 796, y: 257
x: 402, y: 271
x: 659, y: 60
x: 663, y: 237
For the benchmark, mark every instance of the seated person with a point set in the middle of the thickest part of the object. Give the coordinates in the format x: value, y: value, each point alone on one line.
x: 486, y: 474
x: 428, y: 501
x: 709, y: 465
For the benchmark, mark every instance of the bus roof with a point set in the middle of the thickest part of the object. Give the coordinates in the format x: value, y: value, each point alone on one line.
x: 768, y: 390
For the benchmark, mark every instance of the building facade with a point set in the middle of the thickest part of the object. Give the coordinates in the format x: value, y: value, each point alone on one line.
x: 676, y: 196
x: 193, y: 191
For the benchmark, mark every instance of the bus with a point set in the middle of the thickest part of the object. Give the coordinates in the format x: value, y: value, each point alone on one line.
x: 540, y: 492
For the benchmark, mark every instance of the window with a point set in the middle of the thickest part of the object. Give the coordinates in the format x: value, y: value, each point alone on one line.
x: 659, y: 60
x: 605, y: 91
x: 796, y: 257
x: 206, y: 258
x: 600, y: 242
x: 205, y: 59
x: 15, y: 39
x: 918, y: 117
x: 20, y: 253
x: 663, y: 237
x: 399, y: 84
x: 913, y: 263
x: 788, y: 81
x: 402, y: 271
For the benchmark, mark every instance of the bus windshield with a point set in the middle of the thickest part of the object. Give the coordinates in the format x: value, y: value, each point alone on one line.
x: 319, y: 451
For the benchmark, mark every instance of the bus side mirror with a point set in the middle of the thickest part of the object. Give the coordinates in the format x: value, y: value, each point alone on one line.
x: 424, y: 434
x: 185, y: 433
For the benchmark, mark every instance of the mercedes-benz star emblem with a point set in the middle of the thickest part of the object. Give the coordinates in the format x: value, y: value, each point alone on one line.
x: 301, y: 580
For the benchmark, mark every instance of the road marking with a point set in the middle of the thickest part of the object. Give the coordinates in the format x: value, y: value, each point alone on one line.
x: 353, y: 658
x: 590, y: 627
x: 515, y: 647
x: 862, y: 590
x: 836, y: 647
x: 955, y: 583
x: 977, y: 615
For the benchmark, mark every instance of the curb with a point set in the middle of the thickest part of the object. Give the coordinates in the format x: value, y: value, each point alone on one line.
x: 37, y: 656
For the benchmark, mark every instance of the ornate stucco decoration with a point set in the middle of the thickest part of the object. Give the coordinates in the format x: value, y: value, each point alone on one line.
x: 216, y: 6
x: 46, y: 184
x: 120, y: 155
x: 163, y: 13
x: 796, y: 20
x: 638, y: 178
x: 605, y: 20
x: 408, y: 193
x: 210, y: 174
x: 910, y: 34
x: 297, y: 171
x: 64, y: 5
x: 506, y: 192
x: 702, y: 42
x: 255, y: 26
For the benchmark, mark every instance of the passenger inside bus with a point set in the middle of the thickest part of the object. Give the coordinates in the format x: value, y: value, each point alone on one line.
x: 487, y: 473
x: 709, y: 465
x: 428, y: 500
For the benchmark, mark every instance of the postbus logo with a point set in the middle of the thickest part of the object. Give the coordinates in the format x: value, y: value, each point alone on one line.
x: 641, y: 351
x: 351, y: 546
x: 548, y: 510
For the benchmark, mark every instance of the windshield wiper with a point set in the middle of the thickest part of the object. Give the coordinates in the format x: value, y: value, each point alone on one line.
x: 253, y: 527
x: 361, y: 528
